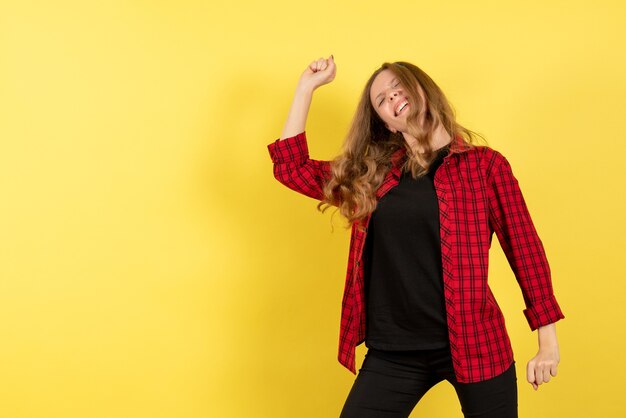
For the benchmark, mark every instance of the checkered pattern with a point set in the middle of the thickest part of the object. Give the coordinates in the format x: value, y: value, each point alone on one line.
x: 477, y: 195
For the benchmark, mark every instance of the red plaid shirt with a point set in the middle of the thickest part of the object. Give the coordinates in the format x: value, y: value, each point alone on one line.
x: 477, y: 195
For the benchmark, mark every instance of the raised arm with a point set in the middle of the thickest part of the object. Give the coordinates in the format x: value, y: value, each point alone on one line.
x: 317, y: 74
x: 290, y: 153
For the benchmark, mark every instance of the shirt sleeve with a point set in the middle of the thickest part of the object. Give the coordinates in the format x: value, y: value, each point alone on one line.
x: 511, y: 221
x: 294, y: 168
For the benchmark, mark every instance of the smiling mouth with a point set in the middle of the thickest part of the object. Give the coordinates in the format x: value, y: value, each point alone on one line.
x: 401, y: 107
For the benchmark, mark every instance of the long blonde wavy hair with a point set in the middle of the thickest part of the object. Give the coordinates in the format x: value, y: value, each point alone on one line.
x: 366, y: 154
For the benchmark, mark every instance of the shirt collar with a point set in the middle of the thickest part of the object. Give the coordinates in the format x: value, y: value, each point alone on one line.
x: 458, y: 145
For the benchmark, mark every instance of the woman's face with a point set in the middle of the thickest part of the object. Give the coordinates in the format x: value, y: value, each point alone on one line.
x: 390, y: 101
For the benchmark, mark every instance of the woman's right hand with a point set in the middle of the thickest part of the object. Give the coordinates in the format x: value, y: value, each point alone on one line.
x: 318, y: 73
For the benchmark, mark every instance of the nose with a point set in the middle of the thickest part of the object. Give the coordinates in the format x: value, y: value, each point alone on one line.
x: 393, y: 95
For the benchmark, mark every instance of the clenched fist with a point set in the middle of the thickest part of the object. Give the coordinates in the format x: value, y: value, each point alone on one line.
x: 318, y: 73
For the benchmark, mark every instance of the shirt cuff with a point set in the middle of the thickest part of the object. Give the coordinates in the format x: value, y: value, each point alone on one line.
x: 543, y: 313
x: 293, y: 148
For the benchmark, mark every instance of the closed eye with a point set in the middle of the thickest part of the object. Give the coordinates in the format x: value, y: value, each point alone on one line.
x: 383, y: 99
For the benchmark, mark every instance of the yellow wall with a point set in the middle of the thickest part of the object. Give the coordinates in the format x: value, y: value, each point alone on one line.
x: 150, y: 265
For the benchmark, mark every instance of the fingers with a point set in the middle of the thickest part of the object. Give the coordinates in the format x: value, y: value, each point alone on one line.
x: 315, y: 65
x: 538, y: 372
x: 553, y: 370
x: 319, y: 72
x: 331, y: 63
x: 538, y: 376
x: 321, y: 64
x: 530, y: 374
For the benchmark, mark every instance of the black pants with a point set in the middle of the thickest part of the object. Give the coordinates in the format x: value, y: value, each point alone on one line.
x: 390, y: 383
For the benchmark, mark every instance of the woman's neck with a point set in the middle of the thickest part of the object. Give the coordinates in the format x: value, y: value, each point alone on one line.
x: 440, y: 139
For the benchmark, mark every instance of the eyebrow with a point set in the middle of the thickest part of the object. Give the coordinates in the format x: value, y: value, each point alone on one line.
x: 393, y: 80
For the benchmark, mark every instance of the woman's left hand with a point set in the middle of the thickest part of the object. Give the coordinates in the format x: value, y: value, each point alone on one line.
x: 542, y: 366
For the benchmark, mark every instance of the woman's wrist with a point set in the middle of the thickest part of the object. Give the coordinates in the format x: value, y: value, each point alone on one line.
x: 547, y: 336
x: 304, y: 89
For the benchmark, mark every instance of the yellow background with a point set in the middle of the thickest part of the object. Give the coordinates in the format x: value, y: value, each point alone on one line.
x: 150, y: 265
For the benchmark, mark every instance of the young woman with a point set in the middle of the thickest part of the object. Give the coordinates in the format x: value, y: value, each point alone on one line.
x: 423, y: 200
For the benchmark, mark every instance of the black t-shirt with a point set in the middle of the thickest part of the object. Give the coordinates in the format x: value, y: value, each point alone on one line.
x: 403, y: 273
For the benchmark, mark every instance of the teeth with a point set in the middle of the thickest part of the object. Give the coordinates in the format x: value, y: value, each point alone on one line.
x: 402, y: 106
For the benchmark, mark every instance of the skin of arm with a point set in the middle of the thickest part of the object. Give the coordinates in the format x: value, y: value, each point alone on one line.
x: 318, y: 73
x: 544, y: 364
